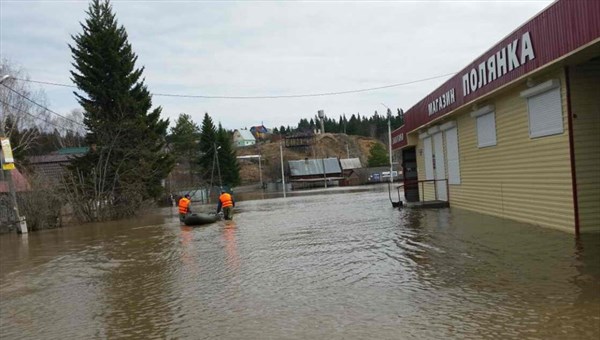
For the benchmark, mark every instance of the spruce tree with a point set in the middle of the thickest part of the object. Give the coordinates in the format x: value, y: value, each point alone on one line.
x: 230, y: 168
x: 353, y: 125
x: 208, y: 137
x: 184, y: 141
x: 127, y: 160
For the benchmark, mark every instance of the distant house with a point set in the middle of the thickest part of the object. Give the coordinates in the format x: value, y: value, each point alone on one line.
x: 349, y: 171
x: 349, y: 164
x: 243, y: 138
x: 260, y: 132
x: 51, y: 166
x: 313, y: 172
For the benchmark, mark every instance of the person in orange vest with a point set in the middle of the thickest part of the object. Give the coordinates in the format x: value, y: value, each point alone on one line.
x: 227, y: 203
x: 184, y: 207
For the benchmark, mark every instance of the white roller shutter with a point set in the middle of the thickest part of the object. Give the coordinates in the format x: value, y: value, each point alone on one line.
x: 545, y: 114
x: 486, y: 130
x: 452, y: 151
x: 428, y: 153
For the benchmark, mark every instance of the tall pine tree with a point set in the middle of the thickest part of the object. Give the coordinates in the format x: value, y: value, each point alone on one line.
x: 208, y: 137
x: 127, y: 161
x: 230, y: 169
x: 184, y: 141
x: 217, y: 139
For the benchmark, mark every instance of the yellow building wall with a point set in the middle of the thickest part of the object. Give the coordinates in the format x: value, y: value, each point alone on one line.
x: 585, y: 105
x: 521, y: 178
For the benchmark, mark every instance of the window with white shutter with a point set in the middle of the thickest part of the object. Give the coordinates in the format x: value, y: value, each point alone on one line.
x: 486, y: 126
x: 545, y: 114
x: 544, y: 107
x: 486, y: 130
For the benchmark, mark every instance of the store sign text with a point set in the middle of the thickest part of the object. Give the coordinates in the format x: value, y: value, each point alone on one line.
x: 398, y: 138
x: 512, y: 56
x: 441, y: 102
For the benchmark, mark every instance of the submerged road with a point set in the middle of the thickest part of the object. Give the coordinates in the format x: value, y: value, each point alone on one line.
x: 329, y: 266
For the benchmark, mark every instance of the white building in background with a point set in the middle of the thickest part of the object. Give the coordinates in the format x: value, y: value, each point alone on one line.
x: 243, y: 138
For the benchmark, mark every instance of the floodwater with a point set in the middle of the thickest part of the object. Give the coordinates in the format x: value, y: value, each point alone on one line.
x: 340, y: 265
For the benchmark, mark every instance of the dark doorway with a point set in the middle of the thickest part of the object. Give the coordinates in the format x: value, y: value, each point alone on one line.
x: 409, y: 171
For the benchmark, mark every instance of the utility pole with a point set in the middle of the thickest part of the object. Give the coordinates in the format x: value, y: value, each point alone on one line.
x: 260, y: 173
x: 321, y: 114
x: 282, y: 174
x: 389, y: 113
x: 217, y: 160
x: 21, y: 223
x: 324, y: 173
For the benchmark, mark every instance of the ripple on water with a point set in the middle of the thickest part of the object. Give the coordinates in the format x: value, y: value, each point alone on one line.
x: 336, y: 266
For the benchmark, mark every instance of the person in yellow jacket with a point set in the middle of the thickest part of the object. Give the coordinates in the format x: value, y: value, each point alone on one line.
x: 227, y: 203
x: 184, y: 207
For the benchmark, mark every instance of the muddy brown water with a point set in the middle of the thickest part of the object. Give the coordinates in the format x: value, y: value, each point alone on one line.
x: 339, y: 265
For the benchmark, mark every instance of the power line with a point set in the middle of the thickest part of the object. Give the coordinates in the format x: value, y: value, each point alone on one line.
x: 44, y: 82
x: 270, y: 96
x: 40, y: 105
x: 37, y: 117
x: 305, y: 95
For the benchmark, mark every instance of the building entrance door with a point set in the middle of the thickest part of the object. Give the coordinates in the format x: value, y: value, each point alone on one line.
x: 409, y: 172
x: 440, y: 167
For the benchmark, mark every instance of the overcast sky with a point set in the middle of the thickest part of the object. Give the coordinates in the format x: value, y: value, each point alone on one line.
x: 269, y: 48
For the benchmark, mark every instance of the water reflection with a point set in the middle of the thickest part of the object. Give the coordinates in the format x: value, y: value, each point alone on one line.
x: 188, y: 254
x: 340, y: 265
x: 137, y: 289
x: 233, y: 259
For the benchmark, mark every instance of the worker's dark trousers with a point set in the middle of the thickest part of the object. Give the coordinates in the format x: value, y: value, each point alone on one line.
x: 228, y: 213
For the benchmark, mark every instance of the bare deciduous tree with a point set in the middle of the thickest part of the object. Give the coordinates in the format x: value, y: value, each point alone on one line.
x: 20, y: 117
x: 111, y: 189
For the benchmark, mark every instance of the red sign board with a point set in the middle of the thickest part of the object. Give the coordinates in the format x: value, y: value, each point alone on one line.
x: 561, y: 29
